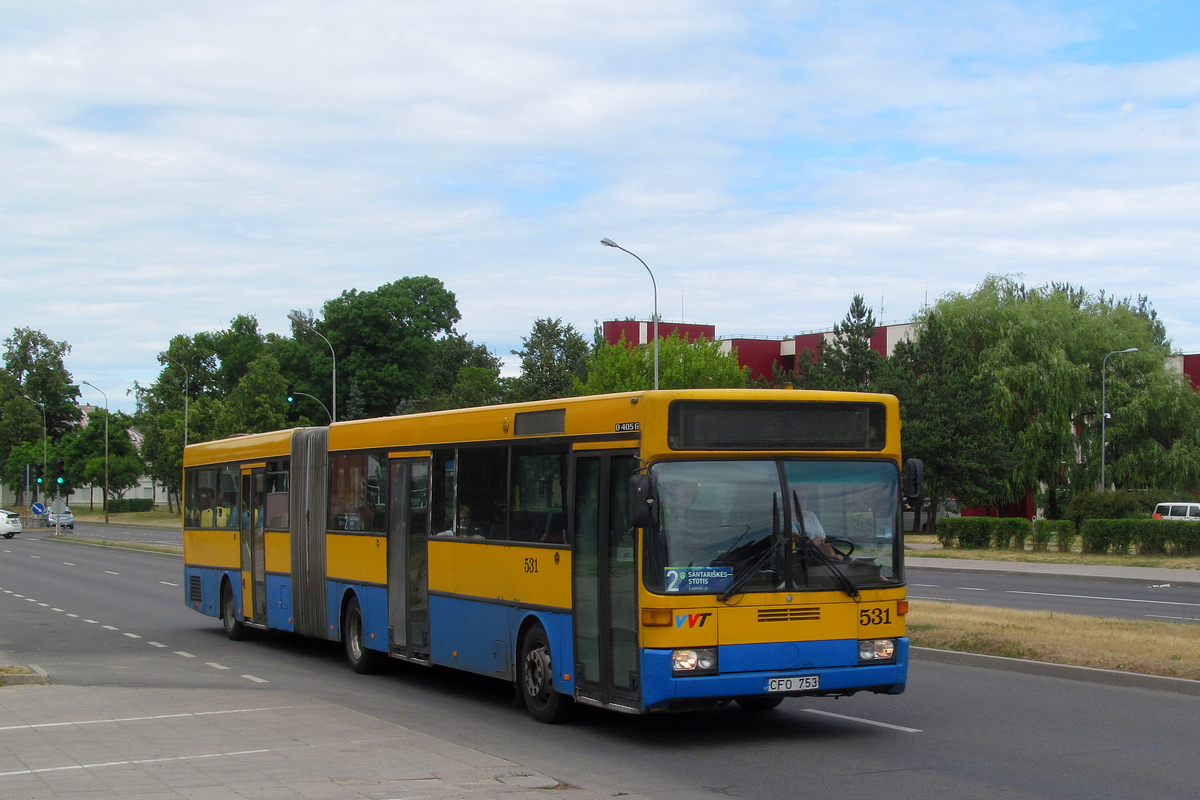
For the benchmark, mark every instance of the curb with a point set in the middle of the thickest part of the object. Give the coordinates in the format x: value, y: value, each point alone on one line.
x: 1135, y: 680
x: 37, y: 676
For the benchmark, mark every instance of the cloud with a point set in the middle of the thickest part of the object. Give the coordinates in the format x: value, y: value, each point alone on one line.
x: 168, y: 167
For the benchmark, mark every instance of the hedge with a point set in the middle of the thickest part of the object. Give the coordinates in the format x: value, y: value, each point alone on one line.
x: 981, y: 533
x: 1148, y: 536
x: 1060, y: 531
x: 118, y: 505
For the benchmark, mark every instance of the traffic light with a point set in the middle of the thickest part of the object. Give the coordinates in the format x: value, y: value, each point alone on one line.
x: 41, y: 473
x: 291, y: 393
x: 59, y: 469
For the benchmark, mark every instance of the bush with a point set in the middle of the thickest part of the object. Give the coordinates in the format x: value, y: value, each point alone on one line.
x: 947, y: 531
x: 1096, y: 535
x: 1043, y: 534
x: 974, y: 533
x: 1064, y: 534
x: 1119, y: 504
x: 1010, y: 530
x: 1183, y: 537
x: 119, y: 505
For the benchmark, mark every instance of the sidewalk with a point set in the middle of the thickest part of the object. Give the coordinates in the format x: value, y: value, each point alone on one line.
x: 96, y: 742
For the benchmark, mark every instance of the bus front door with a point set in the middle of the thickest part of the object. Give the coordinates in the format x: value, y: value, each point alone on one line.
x: 408, y: 572
x: 251, y: 515
x: 606, y: 580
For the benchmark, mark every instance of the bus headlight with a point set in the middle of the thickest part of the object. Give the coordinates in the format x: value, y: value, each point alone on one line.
x: 875, y: 650
x: 694, y: 661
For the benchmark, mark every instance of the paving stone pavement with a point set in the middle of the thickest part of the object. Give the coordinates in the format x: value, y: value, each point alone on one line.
x: 101, y: 743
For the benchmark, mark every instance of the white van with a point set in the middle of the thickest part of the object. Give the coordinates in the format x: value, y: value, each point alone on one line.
x: 1188, y: 511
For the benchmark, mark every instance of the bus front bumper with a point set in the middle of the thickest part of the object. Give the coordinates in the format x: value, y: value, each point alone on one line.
x: 661, y: 689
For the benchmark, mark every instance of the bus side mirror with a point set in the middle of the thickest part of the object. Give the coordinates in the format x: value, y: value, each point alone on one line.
x: 914, y: 481
x: 643, y: 509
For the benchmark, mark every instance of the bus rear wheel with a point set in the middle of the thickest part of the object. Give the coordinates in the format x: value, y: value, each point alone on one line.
x: 535, y: 680
x: 234, y: 628
x: 363, y: 659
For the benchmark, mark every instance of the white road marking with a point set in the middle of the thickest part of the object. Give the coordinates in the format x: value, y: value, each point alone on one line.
x: 91, y: 621
x: 925, y: 585
x: 56, y: 609
x: 110, y: 627
x: 144, y: 719
x: 256, y: 680
x: 215, y: 665
x: 110, y: 572
x: 1180, y: 619
x: 68, y: 563
x: 937, y: 599
x: 156, y: 644
x: 1117, y: 599
x: 73, y: 616
x: 18, y: 595
x: 35, y: 556
x: 184, y: 654
x: 129, y: 763
x: 168, y: 583
x: 44, y: 605
x: 30, y: 600
x: 863, y: 721
x: 969, y: 589
x: 133, y: 636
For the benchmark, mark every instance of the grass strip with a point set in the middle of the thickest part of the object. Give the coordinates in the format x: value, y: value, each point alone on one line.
x: 1169, y: 649
x: 150, y: 548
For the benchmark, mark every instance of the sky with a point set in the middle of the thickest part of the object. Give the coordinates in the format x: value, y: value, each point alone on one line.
x: 165, y: 167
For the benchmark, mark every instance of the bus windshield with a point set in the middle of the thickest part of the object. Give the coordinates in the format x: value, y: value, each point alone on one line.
x: 772, y: 525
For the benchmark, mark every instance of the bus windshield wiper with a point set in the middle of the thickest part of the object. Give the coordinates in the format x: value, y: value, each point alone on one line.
x: 748, y: 573
x: 847, y: 585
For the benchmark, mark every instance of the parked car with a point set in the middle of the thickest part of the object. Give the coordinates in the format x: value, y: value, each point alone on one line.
x: 10, y: 524
x: 64, y: 520
x: 1189, y: 511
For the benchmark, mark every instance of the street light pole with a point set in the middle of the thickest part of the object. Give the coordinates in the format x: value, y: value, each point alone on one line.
x: 187, y: 379
x: 654, y: 283
x: 333, y: 399
x: 1104, y: 411
x: 101, y: 391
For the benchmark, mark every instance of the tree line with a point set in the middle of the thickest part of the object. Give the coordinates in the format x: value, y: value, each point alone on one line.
x: 999, y: 388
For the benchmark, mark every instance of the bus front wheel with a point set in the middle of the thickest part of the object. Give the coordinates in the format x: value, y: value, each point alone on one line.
x: 234, y: 628
x: 760, y: 702
x: 363, y: 659
x: 535, y: 678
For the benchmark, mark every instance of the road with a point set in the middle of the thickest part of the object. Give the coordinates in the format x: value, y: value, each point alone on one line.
x: 1095, y: 597
x: 106, y: 617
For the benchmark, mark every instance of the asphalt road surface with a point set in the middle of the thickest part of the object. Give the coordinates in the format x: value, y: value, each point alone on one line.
x: 95, y: 616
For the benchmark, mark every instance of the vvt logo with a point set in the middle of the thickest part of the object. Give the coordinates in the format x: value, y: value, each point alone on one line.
x: 692, y: 620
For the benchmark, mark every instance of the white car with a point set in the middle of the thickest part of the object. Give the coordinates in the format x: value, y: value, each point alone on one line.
x: 10, y: 524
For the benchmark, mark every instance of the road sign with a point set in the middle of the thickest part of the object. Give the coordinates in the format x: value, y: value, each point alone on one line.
x: 38, y: 509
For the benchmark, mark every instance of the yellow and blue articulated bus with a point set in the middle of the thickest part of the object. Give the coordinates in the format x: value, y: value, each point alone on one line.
x: 643, y: 552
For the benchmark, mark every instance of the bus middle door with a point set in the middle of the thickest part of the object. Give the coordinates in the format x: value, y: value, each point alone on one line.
x: 408, y: 560
x: 251, y: 510
x: 607, y: 655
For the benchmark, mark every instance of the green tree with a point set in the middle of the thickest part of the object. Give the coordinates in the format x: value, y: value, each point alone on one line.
x: 385, y: 342
x: 83, y: 453
x: 34, y: 362
x: 949, y: 405
x: 847, y: 362
x: 682, y: 365
x: 258, y: 403
x: 553, y: 357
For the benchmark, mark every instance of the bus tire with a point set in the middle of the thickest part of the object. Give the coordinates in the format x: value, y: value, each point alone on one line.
x: 363, y: 659
x: 234, y: 628
x: 760, y: 702
x: 535, y: 680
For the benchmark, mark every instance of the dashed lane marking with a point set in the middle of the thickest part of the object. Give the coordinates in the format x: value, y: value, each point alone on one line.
x: 184, y: 653
x: 143, y: 718
x: 215, y: 665
x: 876, y: 723
x: 256, y: 680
